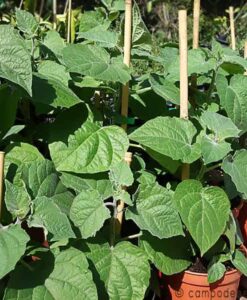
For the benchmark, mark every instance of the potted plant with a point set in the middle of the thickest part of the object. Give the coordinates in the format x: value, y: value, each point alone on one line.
x: 65, y: 171
x: 216, y: 269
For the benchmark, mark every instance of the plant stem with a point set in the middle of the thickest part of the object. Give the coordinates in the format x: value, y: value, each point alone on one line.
x: 110, y: 204
x: 41, y: 8
x: 136, y: 146
x: 211, y: 87
x: 26, y: 265
x: 205, y: 170
x: 113, y: 224
x: 20, y: 5
x: 133, y: 236
x: 213, y: 167
x: 138, y: 92
x: 201, y: 172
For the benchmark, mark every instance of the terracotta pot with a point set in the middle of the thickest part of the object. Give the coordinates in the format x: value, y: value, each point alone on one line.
x: 189, y: 285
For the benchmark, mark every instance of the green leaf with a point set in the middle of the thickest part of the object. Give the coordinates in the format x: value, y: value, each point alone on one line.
x: 165, y: 88
x: 230, y: 60
x: 154, y: 211
x: 95, y: 62
x: 93, y: 20
x: 92, y: 149
x: 230, y: 232
x: 235, y: 166
x: 99, y: 35
x: 65, y: 278
x: 204, y: 211
x: 167, y: 56
x: 221, y: 126
x: 141, y: 37
x: 12, y: 131
x: 55, y: 71
x: 171, y: 137
x: 166, y: 162
x: 233, y: 99
x: 240, y: 262
x: 26, y: 22
x: 170, y: 256
x: 49, y: 216
x: 124, y: 196
x: 213, y: 150
x: 54, y: 43
x: 17, y: 199
x: 124, y: 269
x: 13, y: 240
x: 50, y: 91
x: 9, y: 99
x: 197, y: 64
x: 121, y: 174
x: 15, y: 61
x: 66, y: 122
x: 214, y: 146
x: 88, y: 182
x: 88, y: 212
x: 41, y: 179
x: 20, y: 154
x: 216, y: 271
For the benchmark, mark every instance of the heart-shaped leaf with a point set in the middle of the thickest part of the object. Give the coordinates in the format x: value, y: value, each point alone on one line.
x: 204, y: 211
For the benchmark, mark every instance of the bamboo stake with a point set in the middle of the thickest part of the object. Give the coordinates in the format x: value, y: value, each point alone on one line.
x: 127, y: 52
x: 183, y: 48
x: 65, y: 7
x: 196, y: 23
x: 196, y: 34
x: 69, y: 20
x: 232, y: 26
x: 54, y: 12
x: 125, y: 97
x: 245, y: 50
x: 1, y: 181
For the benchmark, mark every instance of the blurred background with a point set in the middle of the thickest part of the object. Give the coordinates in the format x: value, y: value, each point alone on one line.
x: 160, y: 16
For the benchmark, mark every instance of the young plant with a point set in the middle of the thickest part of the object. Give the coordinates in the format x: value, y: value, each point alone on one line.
x: 64, y: 167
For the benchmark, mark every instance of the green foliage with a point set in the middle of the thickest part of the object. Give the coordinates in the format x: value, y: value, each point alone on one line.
x: 65, y: 172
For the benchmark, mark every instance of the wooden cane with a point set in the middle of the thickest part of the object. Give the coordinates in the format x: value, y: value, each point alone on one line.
x: 127, y: 53
x: 54, y: 12
x: 1, y: 181
x: 69, y: 21
x: 232, y: 26
x: 196, y: 35
x: 183, y: 50
x: 125, y: 97
x: 196, y: 23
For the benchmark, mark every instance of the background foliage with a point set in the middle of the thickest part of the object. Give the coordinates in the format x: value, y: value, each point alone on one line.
x: 160, y: 16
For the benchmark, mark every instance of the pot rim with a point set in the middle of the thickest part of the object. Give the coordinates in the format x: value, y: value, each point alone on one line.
x: 206, y: 274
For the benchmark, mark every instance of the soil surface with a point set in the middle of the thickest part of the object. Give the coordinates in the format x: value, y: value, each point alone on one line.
x: 199, y: 266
